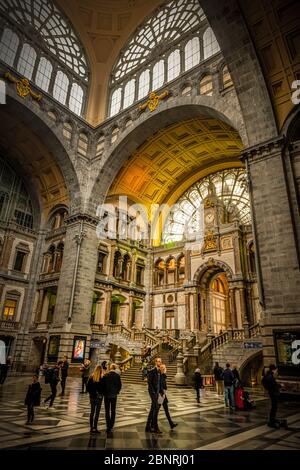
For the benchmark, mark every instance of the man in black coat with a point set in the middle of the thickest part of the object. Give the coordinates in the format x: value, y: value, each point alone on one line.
x: 111, y: 388
x: 270, y: 384
x: 64, y: 374
x: 154, y: 389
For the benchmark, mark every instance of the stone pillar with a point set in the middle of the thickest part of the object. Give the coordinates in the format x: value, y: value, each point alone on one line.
x: 187, y: 311
x: 274, y: 227
x: 39, y: 307
x: 108, y: 307
x: 180, y: 378
x: 243, y: 304
x: 76, y: 283
x: 45, y: 307
x: 7, y: 249
x: 148, y: 282
x: 196, y: 310
x: 232, y: 307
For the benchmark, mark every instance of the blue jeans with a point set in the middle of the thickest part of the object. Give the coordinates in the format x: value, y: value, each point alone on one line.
x: 229, y: 395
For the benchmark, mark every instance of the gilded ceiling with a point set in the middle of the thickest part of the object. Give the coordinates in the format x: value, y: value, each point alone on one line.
x: 174, y: 158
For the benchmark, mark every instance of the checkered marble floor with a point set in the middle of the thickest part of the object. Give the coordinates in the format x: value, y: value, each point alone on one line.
x: 207, y: 425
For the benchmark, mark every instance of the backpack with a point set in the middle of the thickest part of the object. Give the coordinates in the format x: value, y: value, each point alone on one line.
x: 49, y: 373
x: 265, y: 382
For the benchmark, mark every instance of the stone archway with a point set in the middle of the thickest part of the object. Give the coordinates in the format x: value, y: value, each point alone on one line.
x: 214, y: 306
x: 230, y: 28
x: 18, y: 114
x: 147, y: 125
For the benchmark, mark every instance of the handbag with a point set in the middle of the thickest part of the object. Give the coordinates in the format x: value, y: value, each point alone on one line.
x: 161, y: 398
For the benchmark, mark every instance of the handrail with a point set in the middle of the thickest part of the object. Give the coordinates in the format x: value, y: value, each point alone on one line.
x: 126, y: 363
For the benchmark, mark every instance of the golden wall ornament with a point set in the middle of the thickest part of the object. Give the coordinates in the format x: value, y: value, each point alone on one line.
x: 153, y: 101
x: 209, y: 241
x: 208, y: 203
x: 23, y: 87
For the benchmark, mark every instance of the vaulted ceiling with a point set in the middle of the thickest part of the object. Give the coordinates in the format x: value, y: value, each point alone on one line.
x: 174, y: 158
x: 33, y: 161
x: 105, y: 25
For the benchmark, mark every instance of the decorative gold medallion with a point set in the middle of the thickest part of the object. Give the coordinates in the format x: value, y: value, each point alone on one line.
x: 23, y: 86
x: 153, y: 101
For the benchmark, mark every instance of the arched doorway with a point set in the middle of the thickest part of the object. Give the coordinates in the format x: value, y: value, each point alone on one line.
x: 219, y: 301
x: 115, y: 311
x: 38, y: 351
x: 214, y: 309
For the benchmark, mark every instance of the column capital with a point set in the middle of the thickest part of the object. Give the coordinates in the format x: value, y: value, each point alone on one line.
x: 264, y: 150
x: 82, y: 217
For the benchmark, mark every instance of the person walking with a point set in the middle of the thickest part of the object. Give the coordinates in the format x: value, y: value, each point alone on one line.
x: 198, y: 383
x: 64, y: 374
x: 163, y: 396
x: 111, y: 388
x: 33, y: 397
x: 95, y: 389
x: 272, y: 387
x: 52, y: 377
x: 154, y: 389
x: 218, y: 374
x: 144, y: 369
x: 228, y: 378
x: 85, y: 373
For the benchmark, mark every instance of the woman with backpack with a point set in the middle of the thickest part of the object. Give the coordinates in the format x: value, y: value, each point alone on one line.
x: 95, y: 389
x: 33, y: 397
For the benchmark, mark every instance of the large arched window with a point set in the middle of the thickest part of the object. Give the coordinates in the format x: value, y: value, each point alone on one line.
x: 230, y: 187
x: 115, y: 104
x: 26, y: 61
x: 210, y: 44
x: 43, y: 75
x: 144, y: 84
x: 28, y: 19
x: 8, y: 46
x: 158, y: 75
x: 129, y: 93
x: 164, y: 46
x: 61, y: 85
x: 173, y: 65
x: 15, y: 203
x: 192, y: 53
x: 76, y: 98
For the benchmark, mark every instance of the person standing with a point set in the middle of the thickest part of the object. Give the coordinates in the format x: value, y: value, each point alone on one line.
x: 163, y: 396
x: 85, y: 373
x: 154, y: 389
x: 52, y: 377
x: 218, y: 374
x: 64, y: 374
x: 33, y: 397
x: 4, y: 371
x: 272, y: 387
x: 228, y: 378
x: 144, y: 369
x: 95, y: 389
x: 198, y: 383
x: 111, y: 388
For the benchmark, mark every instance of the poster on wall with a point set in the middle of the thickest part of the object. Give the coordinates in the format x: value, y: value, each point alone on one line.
x: 78, y: 349
x: 287, y: 348
x: 53, y: 348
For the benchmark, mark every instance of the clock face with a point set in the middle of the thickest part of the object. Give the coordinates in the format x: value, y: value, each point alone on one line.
x: 209, y: 217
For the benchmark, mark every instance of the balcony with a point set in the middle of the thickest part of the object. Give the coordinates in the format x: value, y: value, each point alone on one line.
x: 40, y: 326
x: 9, y: 325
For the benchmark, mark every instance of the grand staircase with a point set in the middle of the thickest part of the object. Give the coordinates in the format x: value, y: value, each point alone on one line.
x: 235, y: 346
x: 133, y: 375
